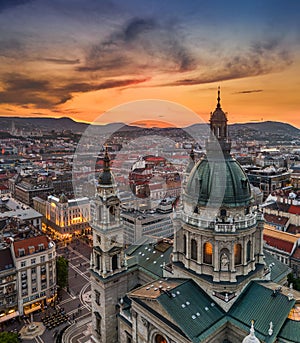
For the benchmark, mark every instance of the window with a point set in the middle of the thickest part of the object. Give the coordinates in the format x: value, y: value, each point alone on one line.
x: 207, y: 253
x: 114, y: 262
x: 128, y: 337
x: 50, y: 256
x: 237, y: 254
x: 31, y: 249
x: 23, y: 264
x: 33, y: 290
x: 248, y: 251
x: 33, y: 270
x: 42, y: 258
x: 21, y: 252
x: 41, y: 246
x: 223, y: 213
x: 194, y: 249
x: 33, y: 260
x: 184, y: 244
x: 160, y: 339
x: 97, y: 297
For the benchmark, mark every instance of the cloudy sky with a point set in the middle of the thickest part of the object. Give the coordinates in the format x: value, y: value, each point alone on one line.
x: 80, y: 58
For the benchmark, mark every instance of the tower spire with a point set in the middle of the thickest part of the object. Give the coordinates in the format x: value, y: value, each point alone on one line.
x: 219, y: 98
x: 105, y: 178
x: 106, y: 160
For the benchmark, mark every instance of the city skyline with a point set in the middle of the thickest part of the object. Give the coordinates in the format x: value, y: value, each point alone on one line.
x: 75, y: 59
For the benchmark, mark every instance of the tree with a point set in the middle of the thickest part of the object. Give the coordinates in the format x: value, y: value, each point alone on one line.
x: 8, y: 337
x: 61, y: 272
x: 294, y: 281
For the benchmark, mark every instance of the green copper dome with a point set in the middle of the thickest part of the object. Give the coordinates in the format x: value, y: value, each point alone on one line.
x: 218, y: 179
x: 222, y: 181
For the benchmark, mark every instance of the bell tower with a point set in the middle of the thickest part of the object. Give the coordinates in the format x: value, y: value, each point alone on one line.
x: 218, y: 233
x: 108, y: 262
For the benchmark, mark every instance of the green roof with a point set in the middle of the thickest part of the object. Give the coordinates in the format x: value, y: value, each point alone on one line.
x: 192, y: 310
x: 148, y: 258
x: 221, y: 180
x: 279, y: 270
x: 290, y: 331
x: 258, y: 303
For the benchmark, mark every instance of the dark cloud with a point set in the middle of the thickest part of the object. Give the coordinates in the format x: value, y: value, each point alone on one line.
x: 60, y: 60
x: 22, y: 90
x: 261, y: 58
x: 140, y: 44
x: 6, y: 4
x: 249, y: 91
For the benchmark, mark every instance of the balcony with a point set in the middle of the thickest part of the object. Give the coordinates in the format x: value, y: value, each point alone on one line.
x: 229, y: 227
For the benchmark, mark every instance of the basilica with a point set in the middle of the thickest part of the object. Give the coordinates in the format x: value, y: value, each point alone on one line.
x: 212, y: 283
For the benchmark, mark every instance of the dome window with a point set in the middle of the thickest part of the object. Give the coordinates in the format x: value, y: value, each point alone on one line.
x: 244, y: 183
x: 237, y: 254
x: 207, y: 253
x: 194, y: 249
x: 160, y: 339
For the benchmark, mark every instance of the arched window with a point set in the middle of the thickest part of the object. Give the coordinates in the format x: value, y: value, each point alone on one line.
x: 98, y: 323
x: 184, y: 244
x: 114, y: 262
x: 160, y: 339
x: 223, y: 212
x: 207, y: 253
x: 237, y: 254
x: 112, y: 213
x: 194, y: 249
x: 248, y: 251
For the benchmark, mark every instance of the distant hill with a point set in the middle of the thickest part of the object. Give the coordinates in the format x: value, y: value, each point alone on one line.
x: 57, y: 124
x: 269, y: 130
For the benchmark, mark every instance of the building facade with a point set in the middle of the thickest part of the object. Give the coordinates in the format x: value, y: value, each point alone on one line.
x: 8, y: 286
x: 66, y: 217
x: 35, y: 261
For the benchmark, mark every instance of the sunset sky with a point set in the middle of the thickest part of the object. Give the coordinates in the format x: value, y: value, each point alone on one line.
x: 81, y: 58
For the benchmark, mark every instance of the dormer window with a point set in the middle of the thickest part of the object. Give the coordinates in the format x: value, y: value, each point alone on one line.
x: 41, y: 247
x: 31, y: 249
x: 21, y: 252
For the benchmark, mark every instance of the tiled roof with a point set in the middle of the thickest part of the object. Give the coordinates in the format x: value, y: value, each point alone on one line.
x: 278, y: 206
x: 279, y: 244
x: 184, y: 304
x: 258, y: 303
x: 35, y: 242
x: 191, y: 309
x: 296, y: 254
x: 281, y: 240
x: 149, y: 258
x: 294, y: 209
x: 273, y: 219
x: 279, y: 270
x: 6, y: 260
x: 290, y: 331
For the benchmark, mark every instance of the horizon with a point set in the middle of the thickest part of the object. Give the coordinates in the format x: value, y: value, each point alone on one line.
x: 150, y: 121
x: 69, y: 59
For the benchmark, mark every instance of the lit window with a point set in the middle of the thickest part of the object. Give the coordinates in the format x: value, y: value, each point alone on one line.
x: 160, y: 339
x: 237, y: 254
x: 207, y: 253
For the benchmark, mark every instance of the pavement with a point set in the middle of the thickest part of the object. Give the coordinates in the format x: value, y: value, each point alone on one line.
x: 74, y: 301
